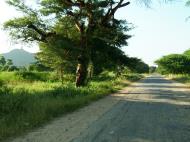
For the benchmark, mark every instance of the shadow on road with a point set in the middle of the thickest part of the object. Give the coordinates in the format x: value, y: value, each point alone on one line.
x: 141, y: 121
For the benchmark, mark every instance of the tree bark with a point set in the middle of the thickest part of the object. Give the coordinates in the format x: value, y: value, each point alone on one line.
x: 61, y: 73
x: 82, y: 72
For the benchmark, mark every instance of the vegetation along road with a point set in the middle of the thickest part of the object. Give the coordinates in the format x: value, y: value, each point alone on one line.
x: 152, y: 110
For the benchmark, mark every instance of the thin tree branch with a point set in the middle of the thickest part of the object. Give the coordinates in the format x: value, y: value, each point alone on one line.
x: 111, y: 11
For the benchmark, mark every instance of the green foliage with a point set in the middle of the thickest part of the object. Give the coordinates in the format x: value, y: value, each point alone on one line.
x: 2, y: 60
x: 18, y: 28
x: 106, y: 75
x: 132, y: 76
x: 37, y: 66
x: 26, y: 76
x: 7, y: 65
x: 32, y: 76
x: 177, y: 66
x: 174, y: 63
x: 187, y: 52
x: 136, y: 65
x: 58, y: 54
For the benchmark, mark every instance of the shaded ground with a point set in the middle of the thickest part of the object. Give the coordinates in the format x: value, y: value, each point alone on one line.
x: 152, y: 110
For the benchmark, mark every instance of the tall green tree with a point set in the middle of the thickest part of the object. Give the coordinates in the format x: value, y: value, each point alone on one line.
x: 76, y: 24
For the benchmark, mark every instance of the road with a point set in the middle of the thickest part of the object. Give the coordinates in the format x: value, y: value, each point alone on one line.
x: 152, y: 110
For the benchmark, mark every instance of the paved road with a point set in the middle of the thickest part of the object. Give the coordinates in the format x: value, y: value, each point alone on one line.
x: 154, y: 110
x: 157, y: 110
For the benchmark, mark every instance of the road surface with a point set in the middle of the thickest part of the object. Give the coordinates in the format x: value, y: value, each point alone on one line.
x: 152, y: 110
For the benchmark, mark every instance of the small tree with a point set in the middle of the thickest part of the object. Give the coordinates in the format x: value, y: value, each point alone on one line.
x: 7, y: 65
x: 2, y: 60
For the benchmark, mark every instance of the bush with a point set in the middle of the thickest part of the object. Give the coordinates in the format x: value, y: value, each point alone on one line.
x: 132, y: 77
x: 32, y: 76
x: 106, y: 75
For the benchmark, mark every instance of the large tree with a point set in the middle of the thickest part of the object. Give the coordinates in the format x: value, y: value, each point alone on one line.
x: 74, y: 25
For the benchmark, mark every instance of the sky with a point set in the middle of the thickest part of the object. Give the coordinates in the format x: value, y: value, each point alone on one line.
x: 159, y: 30
x: 6, y: 44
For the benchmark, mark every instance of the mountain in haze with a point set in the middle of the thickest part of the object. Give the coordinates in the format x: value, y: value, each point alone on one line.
x: 20, y: 57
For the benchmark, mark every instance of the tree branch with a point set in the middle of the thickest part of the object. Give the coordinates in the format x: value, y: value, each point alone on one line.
x: 111, y: 11
x: 77, y: 23
x: 79, y: 3
x: 39, y: 31
x: 43, y: 34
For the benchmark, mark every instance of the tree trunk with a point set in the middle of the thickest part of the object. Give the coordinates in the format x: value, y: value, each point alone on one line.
x: 83, y: 60
x: 61, y: 73
x: 85, y: 56
x: 82, y: 71
x: 90, y: 70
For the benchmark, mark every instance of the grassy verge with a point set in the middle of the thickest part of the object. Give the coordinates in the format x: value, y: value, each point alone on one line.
x: 183, y: 78
x: 26, y: 105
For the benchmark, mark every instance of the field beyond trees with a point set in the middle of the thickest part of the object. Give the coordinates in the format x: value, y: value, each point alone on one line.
x: 30, y: 99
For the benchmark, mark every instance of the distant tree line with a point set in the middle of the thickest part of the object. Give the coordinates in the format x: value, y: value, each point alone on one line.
x: 174, y: 63
x: 116, y: 62
x: 132, y: 64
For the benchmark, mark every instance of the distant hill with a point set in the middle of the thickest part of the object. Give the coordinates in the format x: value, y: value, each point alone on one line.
x: 20, y: 57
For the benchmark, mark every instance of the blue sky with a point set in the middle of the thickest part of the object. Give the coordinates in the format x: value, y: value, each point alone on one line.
x: 160, y: 30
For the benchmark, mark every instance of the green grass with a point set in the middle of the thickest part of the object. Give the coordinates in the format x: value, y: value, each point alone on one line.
x: 183, y: 78
x: 33, y: 76
x: 26, y: 103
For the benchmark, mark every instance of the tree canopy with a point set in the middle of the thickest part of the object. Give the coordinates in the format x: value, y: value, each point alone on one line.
x: 174, y: 63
